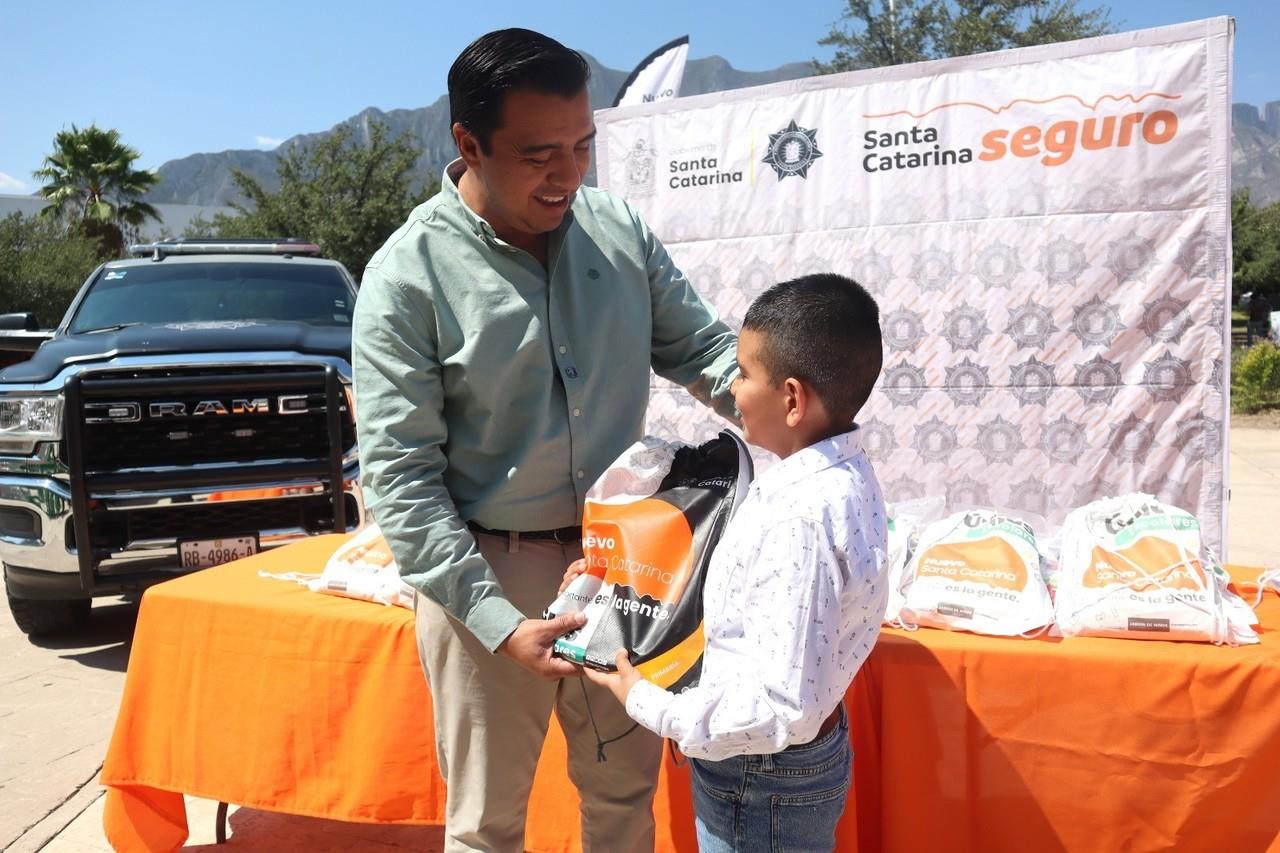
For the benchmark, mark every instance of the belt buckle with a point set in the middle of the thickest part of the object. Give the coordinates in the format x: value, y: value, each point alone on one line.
x: 555, y: 534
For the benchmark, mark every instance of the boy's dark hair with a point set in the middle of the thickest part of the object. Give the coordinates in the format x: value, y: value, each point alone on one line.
x: 503, y: 60
x: 823, y: 329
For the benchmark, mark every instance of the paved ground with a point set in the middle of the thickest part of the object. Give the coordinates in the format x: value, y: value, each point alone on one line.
x: 1253, y: 515
x: 58, y: 702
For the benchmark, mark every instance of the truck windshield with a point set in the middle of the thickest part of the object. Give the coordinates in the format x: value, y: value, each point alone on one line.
x: 213, y: 291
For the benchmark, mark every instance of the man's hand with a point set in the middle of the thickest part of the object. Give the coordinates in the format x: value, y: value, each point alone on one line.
x: 618, y: 683
x: 530, y: 645
x: 576, y: 568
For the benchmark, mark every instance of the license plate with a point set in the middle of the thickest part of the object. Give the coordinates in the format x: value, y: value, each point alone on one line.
x: 203, y: 553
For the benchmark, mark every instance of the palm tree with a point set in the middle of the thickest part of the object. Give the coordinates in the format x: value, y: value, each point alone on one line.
x: 90, y: 179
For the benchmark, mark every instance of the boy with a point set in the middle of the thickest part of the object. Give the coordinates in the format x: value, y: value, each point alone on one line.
x: 796, y: 591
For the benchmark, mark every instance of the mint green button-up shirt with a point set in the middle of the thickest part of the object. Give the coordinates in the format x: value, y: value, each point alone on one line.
x: 491, y: 389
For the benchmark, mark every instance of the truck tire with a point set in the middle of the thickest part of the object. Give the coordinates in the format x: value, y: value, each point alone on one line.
x: 36, y: 617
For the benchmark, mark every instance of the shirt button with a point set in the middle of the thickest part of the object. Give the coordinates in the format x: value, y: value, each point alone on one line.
x: 563, y: 349
x: 581, y: 473
x: 577, y: 413
x: 571, y: 372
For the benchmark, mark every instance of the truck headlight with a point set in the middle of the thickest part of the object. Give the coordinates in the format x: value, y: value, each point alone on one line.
x: 26, y: 420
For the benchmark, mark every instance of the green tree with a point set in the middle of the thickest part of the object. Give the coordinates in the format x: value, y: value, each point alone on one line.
x: 345, y: 196
x: 1255, y: 246
x: 873, y: 33
x: 90, y: 180
x: 42, y: 265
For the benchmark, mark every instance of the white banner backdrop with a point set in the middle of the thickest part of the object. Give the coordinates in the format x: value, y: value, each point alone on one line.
x: 1046, y: 231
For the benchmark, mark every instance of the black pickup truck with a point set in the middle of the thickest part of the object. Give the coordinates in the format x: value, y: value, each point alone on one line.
x: 193, y: 407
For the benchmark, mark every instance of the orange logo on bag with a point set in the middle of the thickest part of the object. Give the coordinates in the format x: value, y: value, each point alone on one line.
x: 989, y: 560
x: 646, y: 545
x: 1148, y: 564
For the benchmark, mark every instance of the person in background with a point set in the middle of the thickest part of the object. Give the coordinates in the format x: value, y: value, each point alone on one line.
x: 1259, y: 322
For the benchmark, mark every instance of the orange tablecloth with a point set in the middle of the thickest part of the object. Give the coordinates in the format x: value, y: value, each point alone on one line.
x: 260, y: 693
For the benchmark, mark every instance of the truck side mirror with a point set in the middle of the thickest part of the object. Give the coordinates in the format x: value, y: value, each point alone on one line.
x: 22, y: 321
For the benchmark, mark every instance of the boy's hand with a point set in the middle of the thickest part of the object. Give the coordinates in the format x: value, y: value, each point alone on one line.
x: 618, y: 683
x: 576, y: 568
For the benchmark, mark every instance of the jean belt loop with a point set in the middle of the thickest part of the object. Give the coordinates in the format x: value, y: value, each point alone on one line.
x: 766, y: 762
x: 513, y: 541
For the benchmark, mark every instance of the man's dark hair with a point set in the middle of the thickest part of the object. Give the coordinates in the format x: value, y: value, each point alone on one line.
x: 501, y: 61
x: 823, y: 329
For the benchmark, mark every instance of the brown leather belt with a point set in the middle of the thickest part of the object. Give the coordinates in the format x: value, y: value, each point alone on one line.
x: 563, y: 535
x: 828, y: 724
x: 825, y: 729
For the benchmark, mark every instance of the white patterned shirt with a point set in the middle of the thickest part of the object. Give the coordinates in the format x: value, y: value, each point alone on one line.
x: 793, y: 601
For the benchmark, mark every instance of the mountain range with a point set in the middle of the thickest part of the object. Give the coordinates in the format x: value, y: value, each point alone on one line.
x: 206, y: 179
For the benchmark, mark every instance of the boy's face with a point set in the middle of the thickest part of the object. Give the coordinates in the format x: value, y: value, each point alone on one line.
x: 763, y: 405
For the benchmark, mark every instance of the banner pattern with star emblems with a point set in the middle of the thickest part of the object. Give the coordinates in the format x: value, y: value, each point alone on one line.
x: 1046, y: 231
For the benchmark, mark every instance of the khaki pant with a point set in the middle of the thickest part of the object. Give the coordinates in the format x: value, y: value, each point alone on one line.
x: 491, y: 716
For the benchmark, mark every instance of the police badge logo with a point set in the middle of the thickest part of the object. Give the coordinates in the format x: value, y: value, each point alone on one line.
x: 904, y: 489
x: 933, y: 269
x: 792, y: 151
x: 999, y: 440
x: 1129, y: 258
x: 640, y: 172
x: 903, y: 384
x: 1032, y: 495
x: 967, y: 383
x: 1062, y: 261
x: 1131, y: 440
x: 1031, y: 325
x: 935, y: 440
x: 1165, y: 319
x: 877, y: 437
x: 1064, y: 440
x: 1199, y: 438
x: 1166, y: 377
x: 1097, y: 323
x: 1090, y: 490
x: 1216, y: 375
x: 1201, y: 256
x: 964, y: 328
x: 966, y: 491
x: 874, y: 271
x: 1032, y: 381
x: 903, y: 329
x: 998, y: 265
x: 1098, y: 380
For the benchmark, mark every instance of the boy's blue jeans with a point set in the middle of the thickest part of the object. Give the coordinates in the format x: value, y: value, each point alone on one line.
x: 789, y: 800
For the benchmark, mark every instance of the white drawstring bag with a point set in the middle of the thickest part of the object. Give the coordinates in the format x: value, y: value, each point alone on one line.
x: 1137, y: 568
x: 363, y: 568
x: 906, y: 519
x: 977, y: 570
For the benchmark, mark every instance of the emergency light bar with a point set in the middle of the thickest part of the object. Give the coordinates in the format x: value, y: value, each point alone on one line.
x: 288, y: 246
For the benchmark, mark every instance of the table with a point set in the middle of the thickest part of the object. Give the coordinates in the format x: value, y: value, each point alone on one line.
x: 258, y: 692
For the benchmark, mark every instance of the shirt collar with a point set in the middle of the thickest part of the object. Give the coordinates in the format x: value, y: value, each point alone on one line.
x: 479, y: 226
x: 449, y: 186
x: 812, y: 459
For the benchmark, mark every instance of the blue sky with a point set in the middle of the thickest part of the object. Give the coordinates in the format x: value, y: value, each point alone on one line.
x: 179, y: 78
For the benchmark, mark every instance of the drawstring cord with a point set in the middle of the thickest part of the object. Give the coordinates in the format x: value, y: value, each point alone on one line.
x: 601, y: 744
x: 1221, y: 629
x: 1270, y: 578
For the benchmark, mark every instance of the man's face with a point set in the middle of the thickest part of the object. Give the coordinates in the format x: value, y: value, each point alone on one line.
x: 535, y: 164
x: 763, y: 405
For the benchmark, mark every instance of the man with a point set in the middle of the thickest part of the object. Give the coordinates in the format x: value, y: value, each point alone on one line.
x: 503, y: 341
x: 1259, y: 322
